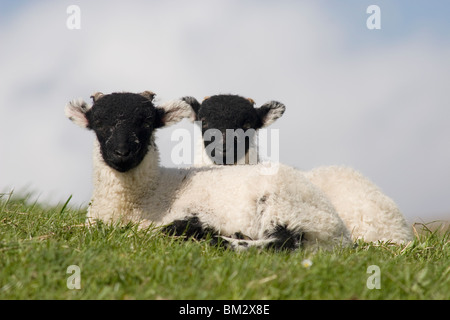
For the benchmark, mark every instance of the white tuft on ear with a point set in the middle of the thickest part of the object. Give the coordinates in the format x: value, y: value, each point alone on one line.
x: 175, y: 111
x: 271, y: 111
x: 76, y: 110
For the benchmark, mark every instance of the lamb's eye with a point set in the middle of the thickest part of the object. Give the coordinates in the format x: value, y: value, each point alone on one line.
x: 146, y: 123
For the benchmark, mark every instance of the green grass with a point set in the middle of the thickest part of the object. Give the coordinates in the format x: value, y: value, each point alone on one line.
x: 38, y: 244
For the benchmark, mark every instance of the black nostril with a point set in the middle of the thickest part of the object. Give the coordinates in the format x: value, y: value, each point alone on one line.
x: 123, y: 152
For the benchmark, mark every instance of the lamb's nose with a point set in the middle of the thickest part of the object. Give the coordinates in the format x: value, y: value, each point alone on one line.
x: 122, y: 151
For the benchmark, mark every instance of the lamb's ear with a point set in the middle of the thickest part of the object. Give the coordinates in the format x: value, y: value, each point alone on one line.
x: 270, y: 112
x: 195, y: 105
x: 172, y: 112
x: 76, y: 110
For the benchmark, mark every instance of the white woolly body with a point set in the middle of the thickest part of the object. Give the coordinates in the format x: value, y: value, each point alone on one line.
x: 228, y: 198
x: 200, y: 156
x: 366, y: 211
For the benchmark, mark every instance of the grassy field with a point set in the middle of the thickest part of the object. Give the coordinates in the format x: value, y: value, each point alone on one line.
x: 38, y: 245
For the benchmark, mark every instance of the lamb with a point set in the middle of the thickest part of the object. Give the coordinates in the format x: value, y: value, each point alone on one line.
x: 223, y: 112
x: 367, y: 212
x: 238, y: 205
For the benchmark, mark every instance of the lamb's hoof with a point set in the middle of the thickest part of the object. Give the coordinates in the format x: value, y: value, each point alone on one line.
x: 190, y: 227
x: 284, y: 239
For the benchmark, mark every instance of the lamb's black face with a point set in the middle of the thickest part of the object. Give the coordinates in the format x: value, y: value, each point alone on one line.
x: 233, y: 112
x: 123, y: 123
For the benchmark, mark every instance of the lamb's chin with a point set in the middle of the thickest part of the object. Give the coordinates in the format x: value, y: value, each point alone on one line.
x: 120, y: 166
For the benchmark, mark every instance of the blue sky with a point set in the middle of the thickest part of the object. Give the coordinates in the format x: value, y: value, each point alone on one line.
x: 375, y: 100
x: 400, y: 17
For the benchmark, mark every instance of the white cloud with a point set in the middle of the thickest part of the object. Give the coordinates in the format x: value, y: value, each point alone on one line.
x: 382, y: 110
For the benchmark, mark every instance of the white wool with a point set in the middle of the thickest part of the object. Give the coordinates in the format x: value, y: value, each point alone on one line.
x: 228, y: 198
x: 367, y: 212
x: 200, y: 156
x: 72, y: 112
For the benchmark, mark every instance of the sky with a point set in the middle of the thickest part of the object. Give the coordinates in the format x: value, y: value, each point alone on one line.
x: 376, y: 100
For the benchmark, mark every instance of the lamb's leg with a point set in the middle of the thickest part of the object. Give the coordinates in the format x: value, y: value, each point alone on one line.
x: 190, y: 227
x: 280, y: 238
x: 284, y: 238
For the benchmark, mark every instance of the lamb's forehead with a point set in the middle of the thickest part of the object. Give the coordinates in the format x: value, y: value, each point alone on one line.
x: 121, y: 105
x: 227, y: 102
x: 224, y: 108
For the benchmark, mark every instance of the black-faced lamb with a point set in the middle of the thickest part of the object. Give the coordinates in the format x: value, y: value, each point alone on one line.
x: 280, y: 210
x: 366, y: 211
x: 229, y: 124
